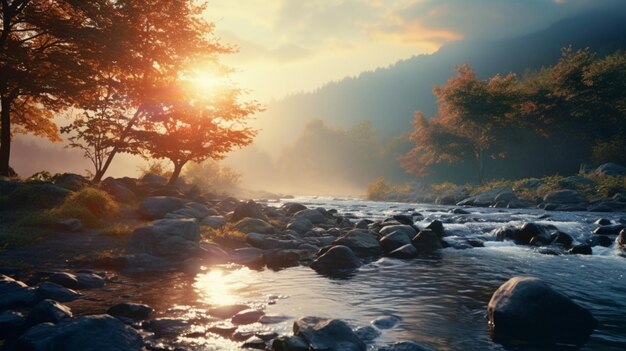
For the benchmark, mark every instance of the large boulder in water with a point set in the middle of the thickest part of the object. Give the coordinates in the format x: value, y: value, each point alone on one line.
x: 88, y: 333
x: 426, y: 241
x: 362, y: 242
x: 175, y: 239
x: 327, y: 334
x: 249, y: 209
x: 157, y: 207
x: 394, y: 240
x: 527, y: 310
x: 337, y: 258
x: 563, y: 197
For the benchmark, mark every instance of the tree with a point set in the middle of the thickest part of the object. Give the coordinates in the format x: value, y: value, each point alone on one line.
x: 162, y: 41
x: 47, y: 55
x: 196, y: 130
x: 474, y: 118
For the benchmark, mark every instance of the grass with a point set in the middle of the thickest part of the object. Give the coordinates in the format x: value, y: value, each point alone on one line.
x: 227, y: 231
x: 12, y: 236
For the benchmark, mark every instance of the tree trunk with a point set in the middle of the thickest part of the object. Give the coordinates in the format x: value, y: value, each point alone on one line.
x: 178, y: 167
x: 100, y: 173
x: 5, y: 136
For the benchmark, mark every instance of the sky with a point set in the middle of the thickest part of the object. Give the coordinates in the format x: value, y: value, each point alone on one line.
x: 291, y: 46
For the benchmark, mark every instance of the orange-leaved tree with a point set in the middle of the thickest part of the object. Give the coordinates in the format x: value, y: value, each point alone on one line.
x: 186, y: 129
x: 48, y: 54
x: 161, y: 39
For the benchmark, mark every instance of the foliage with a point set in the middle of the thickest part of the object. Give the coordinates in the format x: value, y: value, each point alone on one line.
x: 42, y: 176
x: 210, y: 175
x: 225, y: 232
x: 574, y: 109
x: 155, y: 167
x: 379, y: 190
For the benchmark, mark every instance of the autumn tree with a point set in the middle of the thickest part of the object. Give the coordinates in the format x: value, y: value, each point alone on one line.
x: 475, y: 117
x: 163, y: 40
x: 48, y: 51
x: 196, y: 130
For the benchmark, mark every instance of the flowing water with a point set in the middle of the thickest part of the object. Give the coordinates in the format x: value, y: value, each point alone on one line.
x: 441, y: 300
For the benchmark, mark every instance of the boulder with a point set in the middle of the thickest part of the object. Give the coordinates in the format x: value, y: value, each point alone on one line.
x: 12, y: 324
x: 488, y: 197
x: 407, y: 251
x: 599, y: 240
x: 249, y: 225
x: 408, y: 230
x: 77, y: 281
x: 249, y: 256
x: 214, y: 222
x: 291, y: 208
x: 167, y: 326
x: 367, y: 333
x: 71, y: 181
x: 119, y: 190
x: 327, y: 334
x: 313, y: 215
x: 561, y: 238
x: 363, y: 243
x: 153, y: 179
x: 620, y: 241
x: 87, y: 333
x: 563, y: 197
x: 134, y: 311
x: 527, y: 310
x: 528, y: 231
x: 404, y: 219
x: 610, y: 169
x: 186, y: 212
x: 254, y: 342
x: 437, y: 227
x: 290, y: 343
x: 48, y: 311
x: 247, y: 317
x: 300, y: 225
x: 15, y: 294
x: 612, y: 229
x: 52, y: 291
x: 336, y: 258
x: 582, y: 249
x: 174, y: 239
x: 157, y: 207
x: 394, y: 240
x: 249, y: 209
x: 276, y: 259
x: 426, y: 241
x: 575, y: 181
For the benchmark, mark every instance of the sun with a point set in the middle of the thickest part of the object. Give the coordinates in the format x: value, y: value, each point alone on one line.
x: 206, y: 81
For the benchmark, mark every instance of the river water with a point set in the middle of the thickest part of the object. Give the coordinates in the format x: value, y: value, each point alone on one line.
x: 441, y: 300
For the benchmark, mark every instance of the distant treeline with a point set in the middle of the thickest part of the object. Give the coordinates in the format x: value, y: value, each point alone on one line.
x: 550, y: 121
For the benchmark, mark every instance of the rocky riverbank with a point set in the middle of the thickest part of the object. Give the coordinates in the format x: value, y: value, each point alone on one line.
x: 182, y: 231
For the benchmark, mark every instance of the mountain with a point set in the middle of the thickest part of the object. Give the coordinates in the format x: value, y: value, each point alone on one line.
x: 388, y: 97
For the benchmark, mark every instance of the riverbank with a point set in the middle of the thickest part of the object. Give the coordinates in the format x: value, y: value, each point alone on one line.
x: 171, y: 253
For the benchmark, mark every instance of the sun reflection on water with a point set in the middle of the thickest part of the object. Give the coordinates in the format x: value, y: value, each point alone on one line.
x: 220, y: 286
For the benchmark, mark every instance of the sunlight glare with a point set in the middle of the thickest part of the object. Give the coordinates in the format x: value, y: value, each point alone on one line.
x: 218, y: 287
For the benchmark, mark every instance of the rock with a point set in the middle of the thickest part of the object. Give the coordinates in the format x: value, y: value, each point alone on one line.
x: 291, y: 208
x: 249, y: 256
x: 405, y: 346
x: 582, y: 249
x: 386, y: 322
x: 613, y: 229
x: 174, y: 239
x: 426, y: 241
x: 134, y: 311
x: 527, y: 309
x: 249, y: 209
x: 273, y: 319
x: 599, y: 240
x: 336, y: 258
x: 71, y: 181
x: 620, y: 241
x: 77, y: 281
x: 158, y: 206
x: 254, y: 342
x: 367, y: 333
x: 394, y: 240
x: 300, y: 225
x: 563, y: 197
x: 227, y: 311
x: 145, y: 263
x: 562, y: 239
x: 119, y: 190
x: 48, y: 290
x: 610, y: 169
x: 459, y: 211
x: 576, y: 181
x: 362, y: 242
x: 186, y: 213
x: 408, y: 230
x: 12, y: 325
x: 404, y: 252
x: 437, y: 228
x: 70, y: 225
x: 290, y: 343
x: 327, y: 334
x: 404, y: 219
x: 48, y: 311
x: 153, y: 179
x: 166, y: 327
x: 214, y: 221
x: 277, y: 259
x: 15, y: 294
x: 249, y: 225
x: 488, y: 197
x: 247, y: 317
x: 506, y: 233
x: 87, y: 333
x: 530, y: 230
x: 315, y: 216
